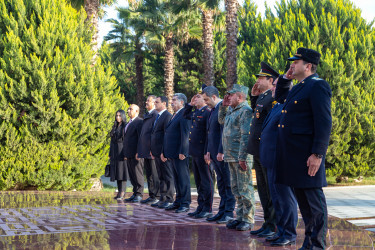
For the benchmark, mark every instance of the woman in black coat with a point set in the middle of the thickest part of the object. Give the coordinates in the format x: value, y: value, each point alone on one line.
x: 118, y: 170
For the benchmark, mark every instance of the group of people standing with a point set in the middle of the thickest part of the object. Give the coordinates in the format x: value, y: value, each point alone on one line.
x: 283, y: 135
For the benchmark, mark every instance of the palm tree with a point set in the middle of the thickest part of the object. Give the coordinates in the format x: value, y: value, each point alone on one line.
x: 163, y: 28
x: 231, y: 7
x: 127, y: 40
x: 92, y: 8
x: 207, y: 8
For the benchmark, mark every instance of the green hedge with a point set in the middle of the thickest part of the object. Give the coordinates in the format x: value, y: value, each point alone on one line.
x: 55, y: 107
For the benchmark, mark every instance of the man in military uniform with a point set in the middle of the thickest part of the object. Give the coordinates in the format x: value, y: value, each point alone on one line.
x: 197, y: 140
x: 283, y: 198
x: 214, y: 156
x: 144, y: 149
x: 236, y: 122
x: 261, y: 103
x: 303, y: 137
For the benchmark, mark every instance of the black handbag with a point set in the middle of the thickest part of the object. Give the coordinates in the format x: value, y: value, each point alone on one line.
x: 107, y: 170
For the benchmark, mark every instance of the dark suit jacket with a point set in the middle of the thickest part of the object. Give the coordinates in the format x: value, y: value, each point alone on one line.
x: 304, y: 129
x: 214, y: 143
x: 268, y: 141
x: 176, y: 138
x: 198, y: 129
x: 131, y: 138
x: 157, y: 134
x: 261, y: 105
x: 144, y: 143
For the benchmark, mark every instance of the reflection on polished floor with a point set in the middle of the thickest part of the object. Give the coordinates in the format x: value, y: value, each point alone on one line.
x: 93, y: 220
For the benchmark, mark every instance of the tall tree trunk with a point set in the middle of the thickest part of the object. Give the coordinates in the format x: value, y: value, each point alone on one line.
x: 169, y: 70
x: 208, y: 51
x: 92, y: 10
x: 231, y: 7
x: 139, y: 79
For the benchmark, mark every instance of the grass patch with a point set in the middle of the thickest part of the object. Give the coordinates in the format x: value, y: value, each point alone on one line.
x: 351, y: 182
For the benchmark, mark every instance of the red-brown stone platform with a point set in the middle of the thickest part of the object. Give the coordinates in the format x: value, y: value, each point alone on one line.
x: 94, y: 220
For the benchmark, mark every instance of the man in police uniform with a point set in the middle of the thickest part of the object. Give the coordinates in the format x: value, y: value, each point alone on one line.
x: 197, y: 141
x: 261, y: 103
x: 236, y: 121
x: 303, y: 137
x: 283, y: 198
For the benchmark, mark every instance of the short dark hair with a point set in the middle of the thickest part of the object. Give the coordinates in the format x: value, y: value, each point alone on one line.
x: 163, y: 99
x: 313, y: 66
x: 210, y: 91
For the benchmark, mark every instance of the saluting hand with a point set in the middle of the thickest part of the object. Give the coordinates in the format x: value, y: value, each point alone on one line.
x: 226, y: 101
x: 313, y: 163
x: 255, y: 90
x: 181, y: 157
x: 289, y: 74
x: 192, y: 102
x: 243, y: 165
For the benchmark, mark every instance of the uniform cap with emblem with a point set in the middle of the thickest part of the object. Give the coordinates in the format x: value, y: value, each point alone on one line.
x: 267, y: 70
x: 202, y: 88
x: 308, y: 55
x: 239, y: 88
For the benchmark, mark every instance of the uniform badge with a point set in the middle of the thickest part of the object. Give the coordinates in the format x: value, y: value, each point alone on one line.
x: 274, y: 103
x: 257, y: 115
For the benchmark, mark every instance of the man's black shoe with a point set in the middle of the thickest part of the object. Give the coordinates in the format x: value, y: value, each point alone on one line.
x: 272, y: 238
x: 153, y: 201
x: 282, y: 242
x: 215, y: 217
x: 130, y: 198
x: 164, y: 205
x: 136, y: 199
x: 243, y: 226
x: 182, y: 210
x: 203, y: 215
x: 266, y: 233
x: 233, y: 224
x: 156, y: 204
x: 255, y: 232
x: 172, y: 207
x: 192, y: 214
x: 224, y: 220
x: 146, y: 200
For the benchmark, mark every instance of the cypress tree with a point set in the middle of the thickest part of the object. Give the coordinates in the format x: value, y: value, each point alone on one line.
x: 55, y: 108
x: 346, y: 41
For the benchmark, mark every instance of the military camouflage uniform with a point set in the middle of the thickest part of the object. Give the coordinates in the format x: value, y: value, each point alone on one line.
x: 235, y: 136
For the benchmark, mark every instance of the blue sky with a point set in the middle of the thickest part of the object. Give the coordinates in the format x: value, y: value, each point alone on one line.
x: 367, y: 7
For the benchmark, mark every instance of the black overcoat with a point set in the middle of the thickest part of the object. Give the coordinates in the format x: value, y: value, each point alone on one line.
x: 118, y: 169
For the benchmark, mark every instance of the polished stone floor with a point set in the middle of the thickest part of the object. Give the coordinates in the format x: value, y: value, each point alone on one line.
x: 90, y: 220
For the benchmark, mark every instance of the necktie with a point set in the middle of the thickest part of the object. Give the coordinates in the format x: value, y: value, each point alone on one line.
x: 157, y: 118
x: 127, y: 125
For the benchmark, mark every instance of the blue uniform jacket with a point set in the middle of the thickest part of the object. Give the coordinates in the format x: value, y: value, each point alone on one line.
x: 176, y: 137
x: 214, y: 144
x: 304, y: 129
x: 198, y: 128
x: 268, y: 139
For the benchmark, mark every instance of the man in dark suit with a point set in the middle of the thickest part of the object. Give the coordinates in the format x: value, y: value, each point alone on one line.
x: 283, y: 198
x: 144, y: 149
x: 129, y: 151
x: 214, y: 156
x: 261, y: 102
x: 176, y: 148
x: 197, y: 141
x: 164, y: 169
x: 303, y: 137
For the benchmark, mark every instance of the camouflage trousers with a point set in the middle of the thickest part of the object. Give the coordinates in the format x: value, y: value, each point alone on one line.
x: 243, y: 189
